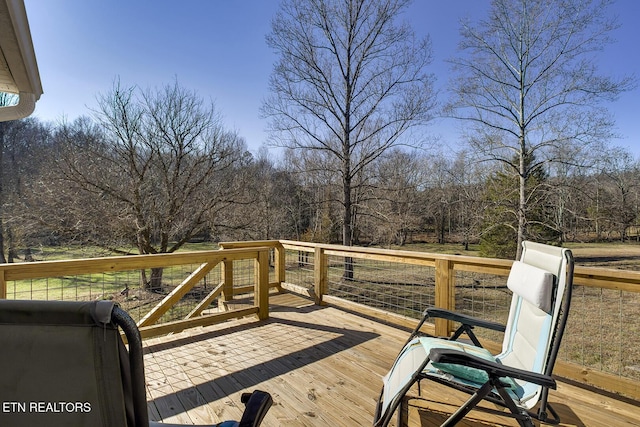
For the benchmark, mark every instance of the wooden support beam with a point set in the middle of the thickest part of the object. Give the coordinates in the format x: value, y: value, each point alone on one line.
x: 152, y: 316
x: 445, y: 294
x: 202, y: 305
x: 319, y: 274
x: 262, y: 285
x: 3, y: 286
x: 280, y: 264
x: 180, y: 325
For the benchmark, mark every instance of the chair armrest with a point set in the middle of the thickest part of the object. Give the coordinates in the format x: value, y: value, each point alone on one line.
x: 493, y: 369
x: 463, y: 318
x: 257, y: 404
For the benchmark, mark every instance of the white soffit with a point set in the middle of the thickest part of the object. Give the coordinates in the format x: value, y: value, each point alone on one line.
x: 18, y: 67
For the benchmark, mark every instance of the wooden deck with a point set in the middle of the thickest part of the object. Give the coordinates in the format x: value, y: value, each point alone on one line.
x: 323, y: 367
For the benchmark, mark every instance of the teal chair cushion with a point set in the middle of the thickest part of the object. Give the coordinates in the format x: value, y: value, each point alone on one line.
x: 467, y: 373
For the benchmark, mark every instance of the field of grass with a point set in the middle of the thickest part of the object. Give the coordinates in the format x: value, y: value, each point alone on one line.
x: 445, y: 248
x: 56, y: 253
x: 625, y: 256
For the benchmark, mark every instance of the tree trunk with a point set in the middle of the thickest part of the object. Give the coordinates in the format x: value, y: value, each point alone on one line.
x: 522, y: 217
x: 347, y: 238
x: 522, y: 181
x: 155, y: 283
x: 347, y: 232
x: 11, y: 251
x: 152, y: 283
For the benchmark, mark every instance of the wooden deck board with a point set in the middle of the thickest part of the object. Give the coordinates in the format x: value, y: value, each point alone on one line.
x: 323, y: 367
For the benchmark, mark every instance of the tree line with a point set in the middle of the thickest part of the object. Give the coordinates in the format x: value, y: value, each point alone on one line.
x: 158, y: 188
x: 152, y: 169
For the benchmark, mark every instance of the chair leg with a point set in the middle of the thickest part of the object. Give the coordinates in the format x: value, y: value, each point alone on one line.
x: 468, y: 405
x: 521, y: 415
x: 402, y: 413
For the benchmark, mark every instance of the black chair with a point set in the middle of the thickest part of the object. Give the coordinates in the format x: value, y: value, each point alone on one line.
x: 64, y: 364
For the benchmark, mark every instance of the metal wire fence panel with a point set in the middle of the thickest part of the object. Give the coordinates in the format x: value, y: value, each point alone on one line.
x: 399, y: 288
x: 131, y: 289
x: 485, y: 296
x: 243, y: 273
x: 603, y: 332
x: 299, y: 267
x: 75, y: 287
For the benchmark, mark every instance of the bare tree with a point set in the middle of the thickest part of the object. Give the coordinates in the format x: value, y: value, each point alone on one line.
x: 21, y: 153
x: 349, y: 81
x: 395, y: 207
x: 5, y: 99
x: 469, y: 178
x: 153, y: 172
x: 528, y: 83
x: 317, y: 174
x: 270, y: 206
x: 621, y: 175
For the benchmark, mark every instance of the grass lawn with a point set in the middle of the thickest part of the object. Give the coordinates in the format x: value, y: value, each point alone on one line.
x: 624, y: 256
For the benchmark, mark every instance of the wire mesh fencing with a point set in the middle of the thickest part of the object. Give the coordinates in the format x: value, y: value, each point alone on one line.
x: 603, y: 331
x: 140, y: 290
x: 404, y: 289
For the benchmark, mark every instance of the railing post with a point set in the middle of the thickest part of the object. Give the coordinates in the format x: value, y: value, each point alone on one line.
x: 280, y: 264
x: 3, y: 286
x: 227, y: 287
x: 319, y: 274
x: 262, y: 284
x: 445, y: 294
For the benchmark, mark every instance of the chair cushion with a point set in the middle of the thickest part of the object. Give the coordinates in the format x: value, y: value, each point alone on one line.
x: 533, y: 284
x: 459, y: 371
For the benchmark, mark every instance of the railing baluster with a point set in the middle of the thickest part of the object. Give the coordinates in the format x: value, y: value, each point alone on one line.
x: 262, y: 284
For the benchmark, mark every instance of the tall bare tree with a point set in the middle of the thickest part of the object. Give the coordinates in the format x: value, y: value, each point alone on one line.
x: 527, y: 82
x: 350, y: 81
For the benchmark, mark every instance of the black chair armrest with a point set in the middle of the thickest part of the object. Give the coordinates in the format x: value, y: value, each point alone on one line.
x: 463, y: 318
x: 493, y: 369
x: 257, y: 405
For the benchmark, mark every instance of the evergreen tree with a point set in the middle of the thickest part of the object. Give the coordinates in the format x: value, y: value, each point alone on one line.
x: 500, y: 224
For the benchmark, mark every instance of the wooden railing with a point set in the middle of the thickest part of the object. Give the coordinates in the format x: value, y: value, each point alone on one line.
x: 148, y: 323
x: 446, y: 268
x: 320, y: 277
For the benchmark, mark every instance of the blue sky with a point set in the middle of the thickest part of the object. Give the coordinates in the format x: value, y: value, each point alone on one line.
x: 217, y: 47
